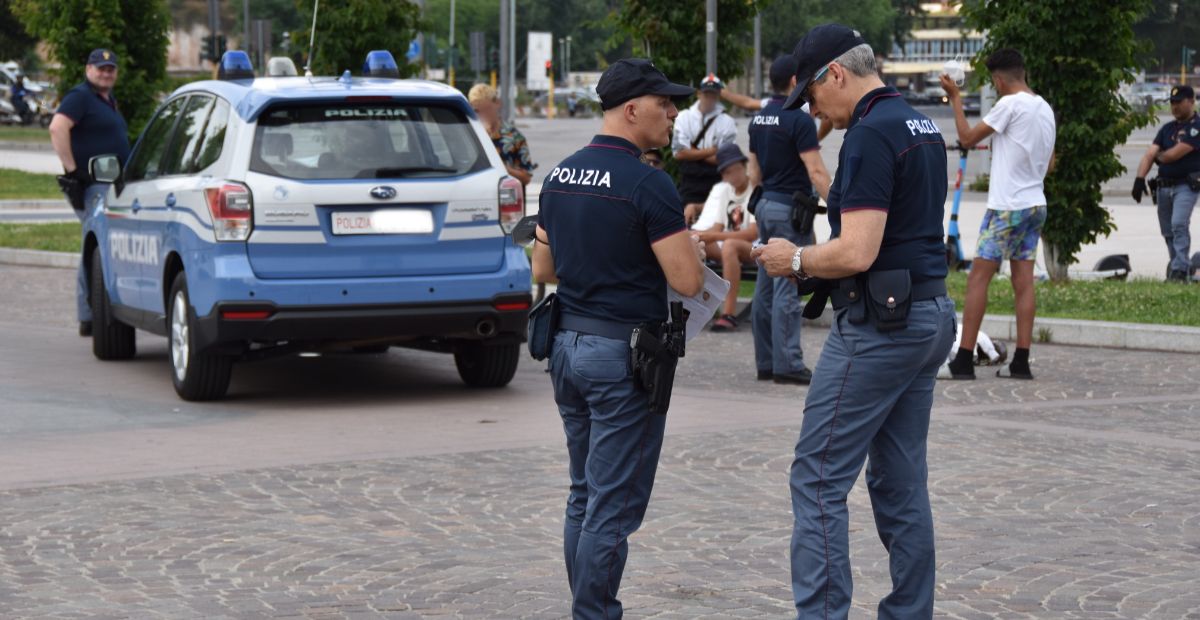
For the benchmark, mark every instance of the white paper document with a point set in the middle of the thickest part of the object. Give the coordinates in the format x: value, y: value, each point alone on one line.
x: 701, y: 307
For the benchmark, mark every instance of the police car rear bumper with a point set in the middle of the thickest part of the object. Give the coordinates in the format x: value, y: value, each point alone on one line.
x: 232, y: 325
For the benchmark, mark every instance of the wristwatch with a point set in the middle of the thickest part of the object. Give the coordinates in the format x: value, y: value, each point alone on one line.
x: 797, y: 267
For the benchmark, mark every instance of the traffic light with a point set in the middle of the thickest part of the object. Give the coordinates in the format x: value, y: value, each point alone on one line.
x: 220, y: 46
x: 213, y: 48
x: 493, y: 59
x: 549, y: 69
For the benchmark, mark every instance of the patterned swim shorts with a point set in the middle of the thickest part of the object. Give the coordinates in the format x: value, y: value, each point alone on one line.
x: 1010, y: 235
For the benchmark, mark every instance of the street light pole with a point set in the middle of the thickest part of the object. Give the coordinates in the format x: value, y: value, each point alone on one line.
x: 710, y: 36
x: 567, y: 59
x: 758, y: 56
x: 450, y: 57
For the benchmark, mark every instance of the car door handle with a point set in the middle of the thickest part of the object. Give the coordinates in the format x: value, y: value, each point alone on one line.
x: 136, y: 206
x: 170, y: 200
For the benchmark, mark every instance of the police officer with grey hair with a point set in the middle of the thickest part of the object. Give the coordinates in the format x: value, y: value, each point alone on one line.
x: 884, y: 269
x: 611, y: 232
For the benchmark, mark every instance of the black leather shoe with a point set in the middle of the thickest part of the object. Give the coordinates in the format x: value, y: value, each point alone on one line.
x: 765, y: 375
x: 85, y: 328
x: 804, y: 377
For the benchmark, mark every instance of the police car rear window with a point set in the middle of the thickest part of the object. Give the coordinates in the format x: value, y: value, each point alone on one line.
x: 371, y: 141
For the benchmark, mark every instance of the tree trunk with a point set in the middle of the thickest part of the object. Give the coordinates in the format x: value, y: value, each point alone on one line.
x: 1055, y: 268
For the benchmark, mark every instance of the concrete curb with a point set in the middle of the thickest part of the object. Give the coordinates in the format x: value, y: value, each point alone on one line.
x: 32, y: 204
x: 18, y: 145
x: 1173, y: 338
x: 38, y: 258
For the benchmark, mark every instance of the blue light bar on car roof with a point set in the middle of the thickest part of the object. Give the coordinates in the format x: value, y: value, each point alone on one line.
x: 380, y: 63
x: 235, y: 65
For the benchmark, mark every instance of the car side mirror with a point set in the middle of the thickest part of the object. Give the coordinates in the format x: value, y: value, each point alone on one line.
x: 106, y: 169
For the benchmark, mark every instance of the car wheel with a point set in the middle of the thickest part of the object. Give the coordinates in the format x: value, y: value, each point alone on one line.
x: 487, y: 366
x: 111, y: 339
x: 197, y: 375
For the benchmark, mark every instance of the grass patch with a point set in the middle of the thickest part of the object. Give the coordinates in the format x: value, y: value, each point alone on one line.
x: 24, y: 134
x: 55, y: 237
x: 1133, y: 301
x: 15, y: 184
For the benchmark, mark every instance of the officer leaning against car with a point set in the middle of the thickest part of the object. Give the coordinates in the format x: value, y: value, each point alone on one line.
x: 88, y: 123
x: 1175, y: 150
x: 611, y: 230
x: 885, y: 269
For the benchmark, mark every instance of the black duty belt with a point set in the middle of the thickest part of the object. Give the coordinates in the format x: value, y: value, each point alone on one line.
x: 1171, y: 181
x: 596, y: 327
x: 920, y: 291
x: 780, y: 197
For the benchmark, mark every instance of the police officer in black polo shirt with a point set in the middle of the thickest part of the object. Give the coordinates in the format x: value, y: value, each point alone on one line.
x: 893, y: 324
x: 786, y: 157
x: 88, y: 123
x: 1175, y: 150
x: 611, y: 231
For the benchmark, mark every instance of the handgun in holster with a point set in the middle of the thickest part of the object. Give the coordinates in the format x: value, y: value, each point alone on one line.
x: 804, y: 210
x: 1152, y: 185
x: 654, y: 353
x: 72, y: 187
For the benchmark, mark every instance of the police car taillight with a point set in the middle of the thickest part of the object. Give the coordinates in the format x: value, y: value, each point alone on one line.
x: 232, y: 211
x: 512, y: 203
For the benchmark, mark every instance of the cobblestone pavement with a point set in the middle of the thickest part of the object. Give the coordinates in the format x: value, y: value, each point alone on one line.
x: 1073, y: 496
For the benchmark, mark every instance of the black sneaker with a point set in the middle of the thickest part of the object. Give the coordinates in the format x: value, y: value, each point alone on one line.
x: 1007, y: 372
x: 803, y: 377
x: 85, y: 328
x: 765, y: 375
x: 961, y: 372
x: 1177, y: 276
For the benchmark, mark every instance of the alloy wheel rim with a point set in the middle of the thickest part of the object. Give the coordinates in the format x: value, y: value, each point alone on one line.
x: 179, y: 336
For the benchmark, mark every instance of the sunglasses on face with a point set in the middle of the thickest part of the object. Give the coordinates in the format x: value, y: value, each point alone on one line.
x: 806, y: 96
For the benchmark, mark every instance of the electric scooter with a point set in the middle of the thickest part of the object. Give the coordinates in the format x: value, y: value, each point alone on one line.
x: 954, y: 252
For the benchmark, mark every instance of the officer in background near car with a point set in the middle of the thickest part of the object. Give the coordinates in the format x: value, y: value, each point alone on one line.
x: 785, y: 158
x: 88, y: 123
x: 1175, y: 150
x: 699, y: 131
x: 873, y: 386
x: 611, y: 230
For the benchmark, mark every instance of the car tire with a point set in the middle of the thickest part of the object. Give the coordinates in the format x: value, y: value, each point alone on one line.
x: 111, y: 339
x: 197, y: 375
x: 486, y: 366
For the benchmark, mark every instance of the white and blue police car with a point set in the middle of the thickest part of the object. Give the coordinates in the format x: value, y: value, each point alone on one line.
x: 279, y: 215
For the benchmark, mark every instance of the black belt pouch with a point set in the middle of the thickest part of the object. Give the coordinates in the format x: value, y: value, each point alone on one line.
x: 889, y: 298
x: 543, y: 322
x: 850, y: 290
x: 1193, y: 181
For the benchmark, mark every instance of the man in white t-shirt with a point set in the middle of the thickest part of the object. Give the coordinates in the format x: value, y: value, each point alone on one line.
x: 1022, y: 125
x: 699, y: 131
x: 727, y: 227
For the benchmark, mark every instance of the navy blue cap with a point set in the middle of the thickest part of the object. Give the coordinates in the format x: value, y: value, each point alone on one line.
x: 729, y: 155
x: 1179, y: 93
x: 630, y: 78
x: 782, y: 69
x: 101, y: 57
x: 821, y: 46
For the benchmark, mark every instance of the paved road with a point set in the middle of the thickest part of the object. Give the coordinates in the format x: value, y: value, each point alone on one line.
x: 375, y: 486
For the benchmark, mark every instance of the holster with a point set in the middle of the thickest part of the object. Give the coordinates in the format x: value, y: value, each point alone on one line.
x: 883, y: 297
x: 654, y: 352
x: 543, y: 323
x: 72, y: 188
x: 1153, y: 185
x: 804, y: 210
x: 755, y: 196
x: 1193, y: 181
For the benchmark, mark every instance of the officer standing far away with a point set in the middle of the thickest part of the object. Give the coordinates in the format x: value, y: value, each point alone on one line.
x: 885, y: 270
x: 88, y: 123
x: 785, y: 158
x: 611, y: 230
x: 1175, y: 150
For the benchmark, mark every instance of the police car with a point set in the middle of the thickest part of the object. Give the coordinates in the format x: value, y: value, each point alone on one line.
x: 279, y: 215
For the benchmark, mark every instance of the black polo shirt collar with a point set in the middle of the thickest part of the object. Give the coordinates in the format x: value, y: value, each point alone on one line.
x: 604, y: 141
x: 867, y: 103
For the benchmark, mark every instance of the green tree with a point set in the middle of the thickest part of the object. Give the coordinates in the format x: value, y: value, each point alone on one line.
x: 14, y: 41
x: 906, y: 14
x: 348, y: 29
x: 1076, y: 54
x: 784, y: 23
x: 1169, y: 26
x: 135, y: 29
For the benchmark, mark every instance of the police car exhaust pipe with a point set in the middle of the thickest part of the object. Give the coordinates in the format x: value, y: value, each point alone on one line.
x: 485, y: 328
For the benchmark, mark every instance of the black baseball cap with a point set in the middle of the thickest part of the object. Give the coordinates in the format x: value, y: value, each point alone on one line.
x: 1179, y: 93
x: 818, y: 48
x: 630, y: 78
x: 712, y: 82
x: 782, y: 69
x: 729, y: 155
x: 101, y: 57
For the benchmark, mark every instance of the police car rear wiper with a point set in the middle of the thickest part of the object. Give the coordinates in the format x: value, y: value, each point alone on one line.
x: 387, y: 173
